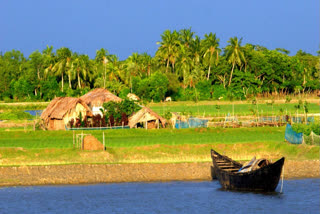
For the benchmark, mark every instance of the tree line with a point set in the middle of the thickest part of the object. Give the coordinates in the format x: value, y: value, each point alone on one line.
x: 185, y: 67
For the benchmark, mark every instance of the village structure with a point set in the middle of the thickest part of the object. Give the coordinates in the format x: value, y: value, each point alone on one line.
x: 63, y: 109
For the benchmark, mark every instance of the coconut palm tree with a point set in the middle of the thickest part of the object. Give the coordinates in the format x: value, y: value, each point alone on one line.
x: 169, y: 48
x: 186, y: 37
x: 63, y: 63
x: 81, y: 68
x: 101, y: 60
x: 210, y: 50
x: 234, y: 54
x: 185, y: 63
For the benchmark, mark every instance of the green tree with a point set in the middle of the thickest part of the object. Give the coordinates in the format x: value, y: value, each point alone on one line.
x: 169, y: 48
x: 210, y: 50
x: 63, y: 63
x: 234, y: 54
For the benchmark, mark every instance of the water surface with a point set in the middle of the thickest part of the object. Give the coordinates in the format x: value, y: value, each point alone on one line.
x: 299, y: 196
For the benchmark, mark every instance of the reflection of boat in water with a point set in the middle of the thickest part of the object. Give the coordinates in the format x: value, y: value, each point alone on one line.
x: 257, y: 175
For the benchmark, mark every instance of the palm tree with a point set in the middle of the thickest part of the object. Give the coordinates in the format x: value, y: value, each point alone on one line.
x: 49, y: 59
x: 146, y: 61
x: 102, y: 60
x: 185, y: 63
x: 186, y: 37
x: 63, y: 63
x: 195, y: 49
x: 80, y: 66
x: 169, y: 49
x: 210, y: 50
x: 234, y: 54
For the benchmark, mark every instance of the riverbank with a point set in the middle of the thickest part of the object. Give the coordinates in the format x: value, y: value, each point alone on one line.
x: 143, y: 172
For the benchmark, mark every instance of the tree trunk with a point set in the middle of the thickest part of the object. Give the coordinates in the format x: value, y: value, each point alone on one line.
x: 69, y: 81
x: 209, y: 72
x: 231, y: 74
x: 38, y: 73
x: 79, y: 85
x: 173, y: 67
x: 167, y: 65
x: 105, y: 76
x: 62, y: 82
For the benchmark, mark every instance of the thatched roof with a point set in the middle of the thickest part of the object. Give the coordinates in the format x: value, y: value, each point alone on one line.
x: 132, y: 96
x: 142, y: 116
x: 99, y: 96
x: 60, y: 106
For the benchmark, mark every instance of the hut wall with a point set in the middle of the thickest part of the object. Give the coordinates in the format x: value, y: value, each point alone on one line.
x: 56, y: 124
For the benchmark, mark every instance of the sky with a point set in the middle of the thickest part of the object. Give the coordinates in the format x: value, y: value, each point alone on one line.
x: 125, y: 27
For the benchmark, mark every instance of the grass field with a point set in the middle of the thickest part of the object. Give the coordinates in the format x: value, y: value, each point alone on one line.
x: 210, y: 108
x: 141, y: 137
x: 19, y: 147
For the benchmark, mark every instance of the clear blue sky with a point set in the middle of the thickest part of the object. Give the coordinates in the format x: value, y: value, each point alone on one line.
x: 124, y: 27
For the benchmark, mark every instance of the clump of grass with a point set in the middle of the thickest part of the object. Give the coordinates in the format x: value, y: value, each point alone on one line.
x: 15, y: 115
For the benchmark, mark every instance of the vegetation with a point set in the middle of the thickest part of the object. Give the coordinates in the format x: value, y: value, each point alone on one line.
x: 306, y: 129
x: 142, y: 137
x: 15, y: 115
x: 215, y: 108
x: 185, y: 67
x: 150, y: 146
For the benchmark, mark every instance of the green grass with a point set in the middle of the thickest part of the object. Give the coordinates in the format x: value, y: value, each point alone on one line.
x: 239, y: 109
x: 19, y: 147
x: 141, y: 137
x: 15, y: 115
x: 23, y: 106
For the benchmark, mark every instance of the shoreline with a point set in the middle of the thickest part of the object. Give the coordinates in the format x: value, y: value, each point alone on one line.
x: 141, y: 172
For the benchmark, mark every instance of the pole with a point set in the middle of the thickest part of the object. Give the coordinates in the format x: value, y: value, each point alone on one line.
x: 104, y: 144
x: 82, y: 141
x: 73, y: 138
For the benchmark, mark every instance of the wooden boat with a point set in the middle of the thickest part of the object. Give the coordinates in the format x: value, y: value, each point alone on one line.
x: 264, y: 177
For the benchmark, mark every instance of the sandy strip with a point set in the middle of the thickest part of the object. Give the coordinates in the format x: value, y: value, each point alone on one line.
x: 108, y: 173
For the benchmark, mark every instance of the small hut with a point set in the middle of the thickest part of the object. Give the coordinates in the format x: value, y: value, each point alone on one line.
x: 146, y: 118
x: 133, y: 97
x: 61, y: 110
x: 95, y: 99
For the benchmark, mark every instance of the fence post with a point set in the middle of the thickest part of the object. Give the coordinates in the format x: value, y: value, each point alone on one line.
x: 82, y: 141
x: 104, y: 145
x: 73, y: 138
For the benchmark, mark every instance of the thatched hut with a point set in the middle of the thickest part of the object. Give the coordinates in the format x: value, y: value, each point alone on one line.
x: 98, y: 96
x: 133, y: 97
x: 146, y: 118
x: 61, y: 110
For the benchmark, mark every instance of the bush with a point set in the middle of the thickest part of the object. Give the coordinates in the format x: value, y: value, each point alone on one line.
x: 306, y: 129
x: 219, y: 91
x: 204, y: 89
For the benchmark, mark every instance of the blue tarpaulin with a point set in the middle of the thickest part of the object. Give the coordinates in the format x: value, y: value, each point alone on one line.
x: 192, y: 122
x: 292, y: 136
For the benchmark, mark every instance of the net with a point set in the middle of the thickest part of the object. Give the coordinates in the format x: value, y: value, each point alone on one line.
x: 312, y: 139
x: 293, y: 137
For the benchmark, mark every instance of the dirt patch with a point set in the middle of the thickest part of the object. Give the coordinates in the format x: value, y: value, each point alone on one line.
x: 97, y: 173
x: 92, y: 143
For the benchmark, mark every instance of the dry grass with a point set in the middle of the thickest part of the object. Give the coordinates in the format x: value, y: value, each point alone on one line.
x: 156, y: 154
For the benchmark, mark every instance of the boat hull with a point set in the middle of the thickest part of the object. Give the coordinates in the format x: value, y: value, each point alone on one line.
x: 263, y: 179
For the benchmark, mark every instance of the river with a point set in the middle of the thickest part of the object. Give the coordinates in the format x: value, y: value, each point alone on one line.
x: 299, y: 196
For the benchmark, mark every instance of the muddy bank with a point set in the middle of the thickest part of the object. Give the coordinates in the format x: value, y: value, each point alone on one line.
x: 106, y: 173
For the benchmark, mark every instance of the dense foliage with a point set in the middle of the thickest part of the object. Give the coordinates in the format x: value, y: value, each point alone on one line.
x: 113, y: 114
x: 185, y: 67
